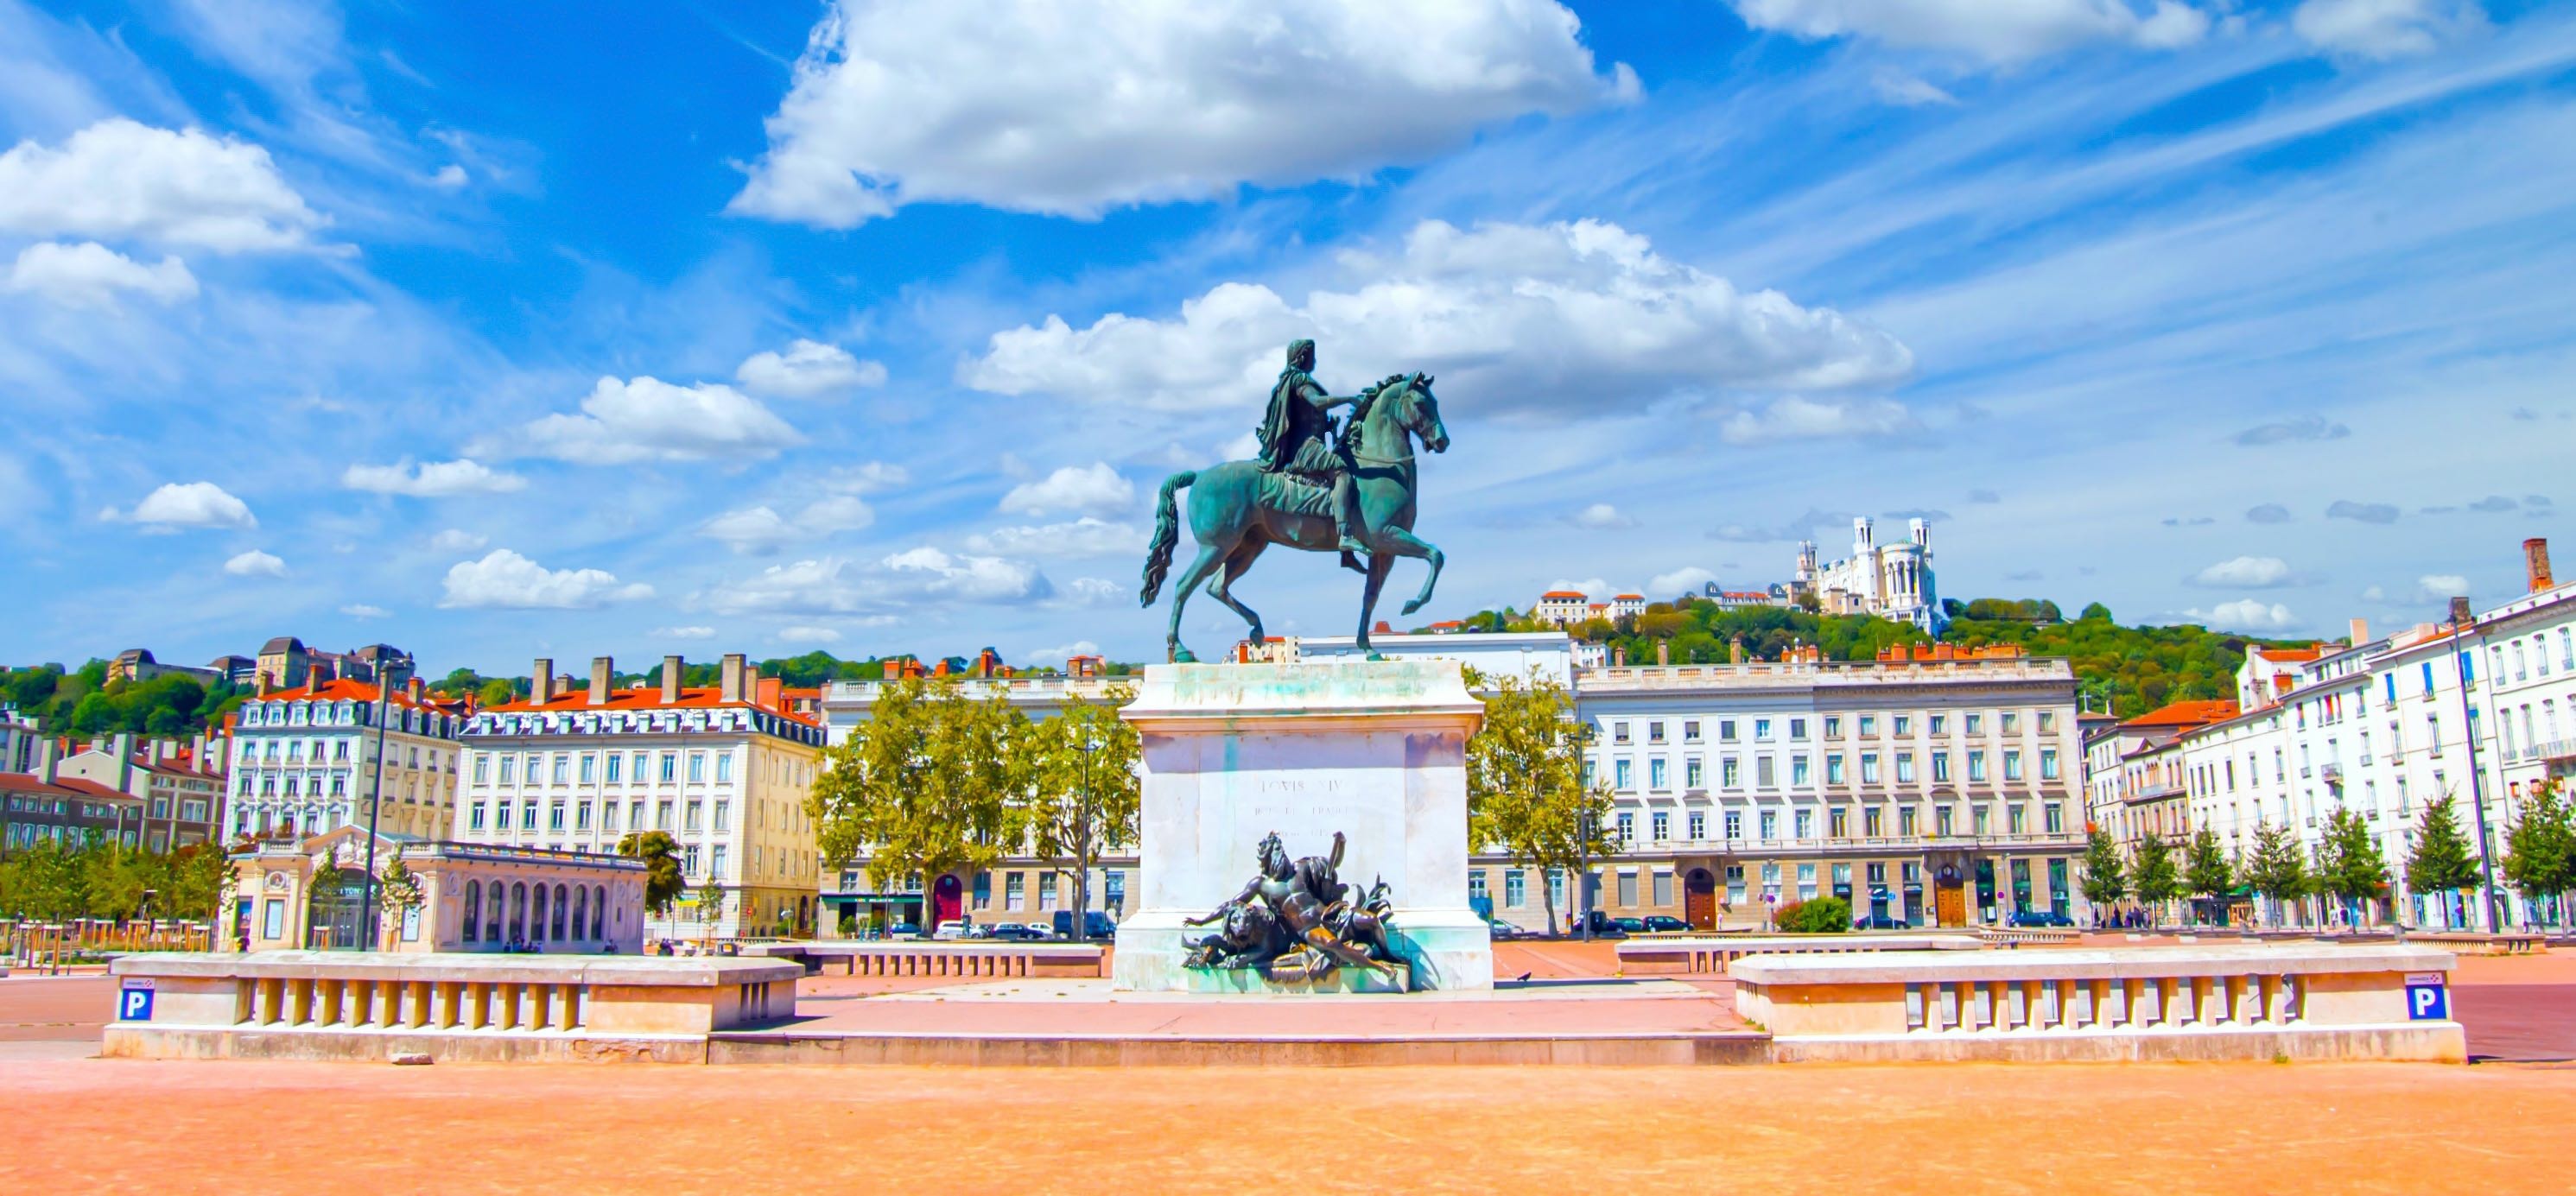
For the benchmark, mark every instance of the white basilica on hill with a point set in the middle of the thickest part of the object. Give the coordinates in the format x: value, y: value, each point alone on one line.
x: 1893, y: 580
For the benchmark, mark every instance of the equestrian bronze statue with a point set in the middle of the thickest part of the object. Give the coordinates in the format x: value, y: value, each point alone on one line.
x: 1318, y: 486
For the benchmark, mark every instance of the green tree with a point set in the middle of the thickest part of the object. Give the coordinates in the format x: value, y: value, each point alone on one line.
x: 2153, y: 873
x: 711, y: 906
x: 926, y: 786
x: 45, y: 881
x: 2540, y: 849
x: 2278, y: 869
x: 2441, y: 862
x: 663, y: 880
x: 197, y: 875
x: 1083, y: 794
x: 1526, y: 789
x: 2104, y: 879
x: 324, y: 883
x: 2349, y: 864
x: 398, y: 892
x: 2206, y: 870
x: 497, y: 693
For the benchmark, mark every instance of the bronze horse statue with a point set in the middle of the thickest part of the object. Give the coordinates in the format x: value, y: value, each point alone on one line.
x: 1237, y: 510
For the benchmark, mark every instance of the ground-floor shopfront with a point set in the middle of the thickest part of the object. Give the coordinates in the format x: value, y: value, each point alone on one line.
x: 1959, y: 887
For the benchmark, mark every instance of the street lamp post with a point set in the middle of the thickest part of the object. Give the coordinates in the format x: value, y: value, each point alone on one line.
x: 385, y: 675
x: 2477, y: 775
x: 1082, y: 867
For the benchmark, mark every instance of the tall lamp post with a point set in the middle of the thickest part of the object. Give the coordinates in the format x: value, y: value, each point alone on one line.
x: 386, y: 674
x: 2477, y: 776
x: 1082, y: 868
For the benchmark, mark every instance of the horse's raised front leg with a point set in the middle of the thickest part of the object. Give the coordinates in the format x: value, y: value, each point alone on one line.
x: 1207, y: 561
x: 1222, y: 589
x: 1379, y: 563
x: 1402, y: 542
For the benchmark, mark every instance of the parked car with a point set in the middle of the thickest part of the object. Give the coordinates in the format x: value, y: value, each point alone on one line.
x: 1602, y: 926
x: 1879, y: 922
x: 1012, y: 932
x: 903, y: 930
x: 1665, y: 923
x: 2042, y: 917
x: 1504, y: 930
x: 951, y: 931
x: 1038, y: 931
x: 1629, y: 925
x: 1095, y: 925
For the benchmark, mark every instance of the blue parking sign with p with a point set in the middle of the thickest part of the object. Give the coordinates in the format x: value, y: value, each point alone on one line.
x: 134, y: 1001
x: 2427, y: 998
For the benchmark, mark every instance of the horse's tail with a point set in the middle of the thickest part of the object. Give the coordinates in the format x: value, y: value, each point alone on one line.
x: 1167, y: 533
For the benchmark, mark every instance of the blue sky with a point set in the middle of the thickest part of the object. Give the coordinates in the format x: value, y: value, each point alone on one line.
x: 497, y: 331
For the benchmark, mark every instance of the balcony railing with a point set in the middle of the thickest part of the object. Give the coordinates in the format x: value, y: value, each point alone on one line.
x: 1857, y: 844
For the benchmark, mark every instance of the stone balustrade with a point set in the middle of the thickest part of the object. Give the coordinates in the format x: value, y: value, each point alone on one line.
x: 2028, y: 936
x: 968, y: 959
x: 358, y: 1005
x: 2305, y: 1001
x: 1688, y: 956
x: 2465, y: 942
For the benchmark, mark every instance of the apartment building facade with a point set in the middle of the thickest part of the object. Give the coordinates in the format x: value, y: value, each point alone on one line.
x: 304, y: 760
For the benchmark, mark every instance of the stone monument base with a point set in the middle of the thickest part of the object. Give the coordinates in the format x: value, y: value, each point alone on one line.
x: 1396, y: 979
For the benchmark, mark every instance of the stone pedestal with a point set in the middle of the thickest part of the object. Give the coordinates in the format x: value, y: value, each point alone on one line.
x: 1373, y: 749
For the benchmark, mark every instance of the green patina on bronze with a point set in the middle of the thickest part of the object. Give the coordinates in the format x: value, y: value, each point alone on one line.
x: 1318, y: 486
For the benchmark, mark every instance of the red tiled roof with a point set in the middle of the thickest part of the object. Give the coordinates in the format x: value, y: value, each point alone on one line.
x: 1576, y: 595
x: 2194, y: 713
x: 647, y: 697
x: 1631, y: 597
x: 343, y: 689
x: 2290, y: 655
x: 25, y: 782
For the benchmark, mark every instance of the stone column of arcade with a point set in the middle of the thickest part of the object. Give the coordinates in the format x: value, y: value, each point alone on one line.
x: 1373, y: 749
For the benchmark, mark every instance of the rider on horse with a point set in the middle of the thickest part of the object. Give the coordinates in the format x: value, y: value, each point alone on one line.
x: 1297, y: 438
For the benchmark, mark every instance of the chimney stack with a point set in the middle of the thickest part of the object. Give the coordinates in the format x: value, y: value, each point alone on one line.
x: 2535, y: 563
x: 416, y: 687
x: 670, y: 680
x: 48, y: 758
x: 2460, y: 615
x: 123, y: 747
x: 729, y: 687
x: 603, y: 672
x: 2358, y: 633
x: 541, y: 682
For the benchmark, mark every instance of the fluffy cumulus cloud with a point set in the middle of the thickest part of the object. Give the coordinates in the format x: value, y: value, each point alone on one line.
x: 2440, y: 587
x: 2384, y: 28
x: 118, y: 179
x: 1093, y: 489
x: 1797, y: 417
x: 1600, y: 516
x: 1998, y: 31
x: 2245, y: 614
x: 1082, y: 537
x: 1687, y: 580
x: 91, y: 275
x: 647, y: 419
x: 504, y: 580
x: 1072, y: 107
x: 176, y: 505
x: 2247, y: 573
x: 432, y: 479
x: 807, y: 370
x: 842, y: 586
x: 762, y: 529
x: 1558, y: 319
x: 255, y: 563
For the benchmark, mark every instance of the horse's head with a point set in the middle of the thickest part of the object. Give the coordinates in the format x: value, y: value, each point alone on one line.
x: 1419, y: 412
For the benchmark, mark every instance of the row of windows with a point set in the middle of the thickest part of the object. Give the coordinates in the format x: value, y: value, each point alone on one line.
x: 2006, y: 722
x: 694, y: 815
x: 595, y: 767
x: 1873, y: 823
x: 2535, y: 661
x: 1766, y: 770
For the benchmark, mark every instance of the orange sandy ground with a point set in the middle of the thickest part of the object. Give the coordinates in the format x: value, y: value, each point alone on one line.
x: 100, y: 1125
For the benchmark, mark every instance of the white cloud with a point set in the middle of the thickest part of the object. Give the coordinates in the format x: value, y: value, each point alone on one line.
x: 2384, y: 28
x: 866, y: 477
x: 2374, y: 594
x: 807, y: 370
x: 2247, y: 573
x: 432, y: 479
x: 1565, y: 318
x: 187, y: 504
x: 1795, y: 417
x: 2440, y: 587
x: 255, y: 563
x: 1094, y: 489
x: 504, y: 580
x: 2245, y: 614
x: 1063, y: 652
x: 647, y: 419
x: 762, y: 529
x: 1687, y: 580
x: 119, y: 179
x: 1906, y: 91
x: 1998, y: 31
x: 449, y: 177
x: 1076, y: 106
x: 1600, y: 516
x: 1592, y: 586
x: 684, y: 633
x: 361, y: 610
x: 1082, y: 537
x: 1094, y: 591
x: 90, y: 275
x: 842, y: 586
x: 458, y: 540
x: 802, y: 634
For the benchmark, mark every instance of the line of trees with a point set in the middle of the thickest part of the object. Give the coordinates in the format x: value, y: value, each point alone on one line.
x: 1526, y: 789
x: 938, y: 781
x: 51, y: 881
x: 84, y: 702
